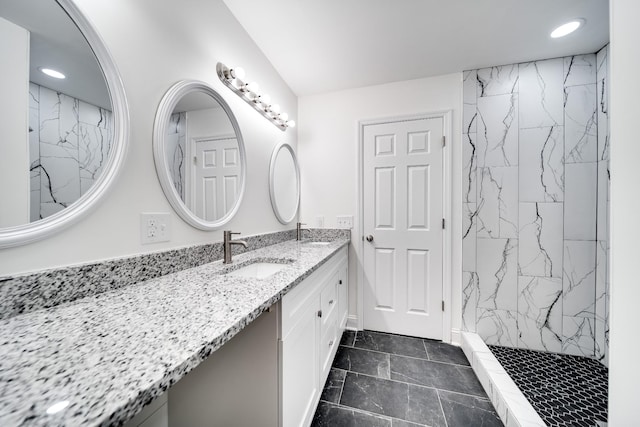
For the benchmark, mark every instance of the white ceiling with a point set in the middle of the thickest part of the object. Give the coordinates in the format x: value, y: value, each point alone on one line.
x: 329, y: 45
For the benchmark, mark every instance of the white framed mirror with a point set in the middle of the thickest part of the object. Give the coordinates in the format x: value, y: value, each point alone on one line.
x: 64, y: 139
x: 284, y: 183
x: 199, y: 154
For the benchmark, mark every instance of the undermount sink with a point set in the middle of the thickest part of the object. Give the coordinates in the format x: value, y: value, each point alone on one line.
x: 318, y: 243
x: 257, y: 270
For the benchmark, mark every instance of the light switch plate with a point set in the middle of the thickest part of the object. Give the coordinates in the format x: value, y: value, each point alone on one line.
x: 344, y: 221
x: 155, y: 227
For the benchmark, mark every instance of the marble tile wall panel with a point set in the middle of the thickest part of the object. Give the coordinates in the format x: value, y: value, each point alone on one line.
x: 601, y: 319
x: 470, y: 79
x: 540, y: 313
x: 540, y: 239
x: 541, y: 165
x: 497, y: 274
x: 497, y: 80
x: 469, y: 168
x: 498, y: 202
x: 176, y: 139
x: 469, y: 300
x: 602, y: 88
x: 580, y: 70
x: 497, y: 327
x: 34, y: 151
x: 540, y: 94
x: 578, y: 336
x: 580, y: 124
x: 579, y: 278
x: 497, y: 130
x: 469, y: 219
x: 580, y: 201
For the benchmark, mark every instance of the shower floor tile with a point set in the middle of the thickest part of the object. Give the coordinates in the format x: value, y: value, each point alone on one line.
x: 564, y: 390
x: 390, y: 380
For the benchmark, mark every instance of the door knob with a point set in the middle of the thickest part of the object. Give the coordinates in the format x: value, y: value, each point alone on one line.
x: 369, y: 238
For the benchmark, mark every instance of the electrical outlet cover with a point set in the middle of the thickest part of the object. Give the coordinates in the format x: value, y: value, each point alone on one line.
x: 155, y: 227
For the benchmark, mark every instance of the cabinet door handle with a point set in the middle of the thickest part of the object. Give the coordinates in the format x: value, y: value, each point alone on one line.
x: 319, y: 313
x: 340, y: 282
x: 330, y: 302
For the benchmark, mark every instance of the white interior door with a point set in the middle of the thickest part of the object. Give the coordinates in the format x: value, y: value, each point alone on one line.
x: 216, y: 175
x: 403, y: 216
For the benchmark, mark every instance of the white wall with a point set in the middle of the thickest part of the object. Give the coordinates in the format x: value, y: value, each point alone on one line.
x: 14, y: 108
x: 156, y: 43
x: 624, y: 347
x: 328, y: 150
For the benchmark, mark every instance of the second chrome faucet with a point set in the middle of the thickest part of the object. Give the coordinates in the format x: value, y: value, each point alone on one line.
x: 227, y: 245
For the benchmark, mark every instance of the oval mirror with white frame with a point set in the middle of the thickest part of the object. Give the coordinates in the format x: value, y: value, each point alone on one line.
x: 65, y: 119
x: 199, y: 154
x: 284, y: 183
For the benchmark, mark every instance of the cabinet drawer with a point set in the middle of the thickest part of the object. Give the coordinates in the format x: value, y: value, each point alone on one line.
x: 328, y: 344
x: 329, y: 298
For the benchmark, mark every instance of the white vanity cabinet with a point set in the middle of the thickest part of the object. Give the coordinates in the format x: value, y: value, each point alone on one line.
x: 271, y: 374
x: 313, y: 317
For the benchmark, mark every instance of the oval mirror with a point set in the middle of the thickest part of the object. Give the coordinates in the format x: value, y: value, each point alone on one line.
x: 64, y: 135
x: 284, y: 183
x: 199, y: 154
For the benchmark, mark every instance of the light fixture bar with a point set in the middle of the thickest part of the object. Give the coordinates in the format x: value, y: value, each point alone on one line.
x: 249, y: 92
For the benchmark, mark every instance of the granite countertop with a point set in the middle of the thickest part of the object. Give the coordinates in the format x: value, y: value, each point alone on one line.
x: 111, y: 354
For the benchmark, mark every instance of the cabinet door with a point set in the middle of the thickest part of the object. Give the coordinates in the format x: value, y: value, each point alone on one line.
x: 300, y: 370
x: 343, y: 296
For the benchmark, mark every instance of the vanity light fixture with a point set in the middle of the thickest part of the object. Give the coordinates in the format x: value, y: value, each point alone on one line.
x: 566, y: 29
x: 233, y: 78
x: 52, y: 73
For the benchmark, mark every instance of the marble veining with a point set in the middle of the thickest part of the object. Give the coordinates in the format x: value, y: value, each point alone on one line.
x: 33, y: 291
x: 110, y: 354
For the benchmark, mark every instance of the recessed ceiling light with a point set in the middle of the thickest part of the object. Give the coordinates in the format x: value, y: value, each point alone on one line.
x: 567, y: 28
x: 53, y: 73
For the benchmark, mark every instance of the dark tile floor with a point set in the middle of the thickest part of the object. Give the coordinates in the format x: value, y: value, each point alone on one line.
x: 564, y: 390
x: 396, y: 381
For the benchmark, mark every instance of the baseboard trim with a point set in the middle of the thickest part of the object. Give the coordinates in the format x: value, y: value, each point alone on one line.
x: 352, y: 322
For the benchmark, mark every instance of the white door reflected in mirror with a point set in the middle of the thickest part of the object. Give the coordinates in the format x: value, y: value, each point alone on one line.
x: 284, y: 183
x: 199, y: 155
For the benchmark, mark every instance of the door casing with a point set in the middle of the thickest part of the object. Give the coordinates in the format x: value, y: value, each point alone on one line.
x: 447, y: 238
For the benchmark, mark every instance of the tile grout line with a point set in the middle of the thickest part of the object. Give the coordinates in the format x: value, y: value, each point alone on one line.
x: 444, y: 416
x: 409, y: 357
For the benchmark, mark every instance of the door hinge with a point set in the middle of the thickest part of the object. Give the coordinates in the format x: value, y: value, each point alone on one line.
x: 442, y: 305
x: 444, y: 141
x: 443, y: 223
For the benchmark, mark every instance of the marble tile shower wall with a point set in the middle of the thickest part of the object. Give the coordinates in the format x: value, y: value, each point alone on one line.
x: 69, y: 142
x: 176, y: 137
x: 535, y: 203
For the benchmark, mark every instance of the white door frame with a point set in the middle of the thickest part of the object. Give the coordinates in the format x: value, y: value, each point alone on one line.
x: 447, y: 239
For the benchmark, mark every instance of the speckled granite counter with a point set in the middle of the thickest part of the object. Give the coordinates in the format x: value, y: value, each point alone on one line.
x: 108, y: 355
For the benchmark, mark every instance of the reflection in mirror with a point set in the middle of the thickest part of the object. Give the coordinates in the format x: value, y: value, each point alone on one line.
x: 69, y: 131
x: 193, y: 122
x: 64, y: 139
x: 284, y: 183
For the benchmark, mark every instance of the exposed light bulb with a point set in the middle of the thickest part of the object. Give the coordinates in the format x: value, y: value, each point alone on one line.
x: 291, y: 123
x: 284, y: 117
x: 566, y: 29
x: 237, y: 73
x: 265, y: 101
x: 275, y: 109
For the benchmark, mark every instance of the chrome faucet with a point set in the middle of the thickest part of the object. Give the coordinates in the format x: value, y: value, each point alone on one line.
x: 227, y: 245
x: 299, y: 230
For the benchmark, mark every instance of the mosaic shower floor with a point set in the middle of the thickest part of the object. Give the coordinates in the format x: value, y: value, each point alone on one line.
x: 564, y: 390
